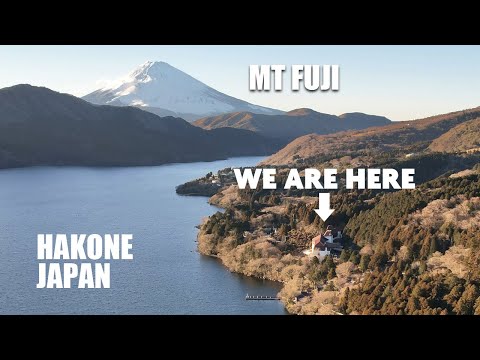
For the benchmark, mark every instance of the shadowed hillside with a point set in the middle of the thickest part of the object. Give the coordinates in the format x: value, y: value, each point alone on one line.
x: 41, y: 127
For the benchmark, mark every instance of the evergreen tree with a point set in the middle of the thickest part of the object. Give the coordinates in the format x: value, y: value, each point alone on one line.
x: 378, y: 260
x: 477, y: 307
x: 345, y: 255
x: 354, y: 257
x: 331, y: 274
x: 329, y: 263
x: 466, y: 304
x: 422, y: 268
x: 364, y: 262
x: 293, y: 222
x: 283, y: 230
x: 433, y: 246
x: 343, y: 305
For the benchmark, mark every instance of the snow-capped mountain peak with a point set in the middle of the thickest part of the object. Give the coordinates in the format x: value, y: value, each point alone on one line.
x: 165, y: 90
x: 155, y: 70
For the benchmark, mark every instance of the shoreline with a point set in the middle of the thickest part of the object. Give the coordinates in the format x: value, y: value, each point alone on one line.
x: 256, y: 238
x: 282, y: 269
x: 217, y: 203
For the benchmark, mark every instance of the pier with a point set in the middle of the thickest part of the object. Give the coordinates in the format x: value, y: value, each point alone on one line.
x: 261, y: 297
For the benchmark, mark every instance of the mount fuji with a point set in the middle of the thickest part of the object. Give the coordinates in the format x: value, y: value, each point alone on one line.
x: 164, y: 90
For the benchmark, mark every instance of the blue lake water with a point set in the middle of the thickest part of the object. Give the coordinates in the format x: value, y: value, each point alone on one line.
x: 167, y: 274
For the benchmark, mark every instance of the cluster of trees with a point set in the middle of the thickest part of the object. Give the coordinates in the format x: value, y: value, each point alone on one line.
x: 402, y: 289
x: 386, y: 224
x: 430, y: 166
x: 320, y: 272
x: 223, y: 225
x: 404, y: 286
x: 197, y: 187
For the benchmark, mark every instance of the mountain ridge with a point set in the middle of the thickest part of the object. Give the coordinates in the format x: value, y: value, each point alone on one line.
x: 295, y: 123
x: 418, y: 133
x: 39, y: 126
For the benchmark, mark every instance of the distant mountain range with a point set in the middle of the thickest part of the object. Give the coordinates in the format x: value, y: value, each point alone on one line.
x: 451, y: 129
x: 293, y: 124
x: 41, y: 127
x: 160, y: 88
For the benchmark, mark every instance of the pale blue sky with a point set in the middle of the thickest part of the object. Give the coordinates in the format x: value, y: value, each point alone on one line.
x: 400, y: 82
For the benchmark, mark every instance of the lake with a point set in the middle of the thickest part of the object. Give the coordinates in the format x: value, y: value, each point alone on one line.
x: 167, y: 274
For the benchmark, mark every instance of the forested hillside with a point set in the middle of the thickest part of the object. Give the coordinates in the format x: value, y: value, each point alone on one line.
x: 406, y: 252
x: 462, y: 137
x: 404, y: 138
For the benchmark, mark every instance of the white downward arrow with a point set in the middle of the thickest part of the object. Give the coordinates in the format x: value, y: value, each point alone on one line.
x: 324, y: 210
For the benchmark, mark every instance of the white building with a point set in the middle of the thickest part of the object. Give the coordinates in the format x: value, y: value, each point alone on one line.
x: 323, y: 245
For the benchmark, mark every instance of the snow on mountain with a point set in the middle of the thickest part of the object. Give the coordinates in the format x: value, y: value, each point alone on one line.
x: 164, y: 90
